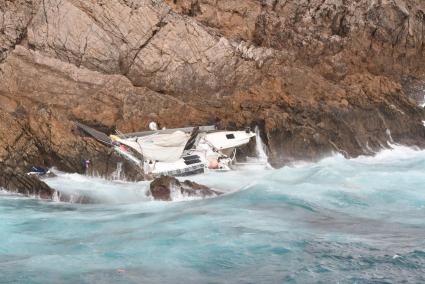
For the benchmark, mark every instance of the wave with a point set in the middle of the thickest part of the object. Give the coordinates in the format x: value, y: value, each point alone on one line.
x: 358, y: 220
x: 390, y: 173
x: 100, y: 190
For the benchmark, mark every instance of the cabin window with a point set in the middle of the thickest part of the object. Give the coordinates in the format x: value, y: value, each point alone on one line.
x: 230, y: 136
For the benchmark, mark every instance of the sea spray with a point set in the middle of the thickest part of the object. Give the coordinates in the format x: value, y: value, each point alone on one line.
x: 388, y: 132
x: 118, y: 173
x: 55, y: 196
x: 261, y: 149
x: 338, y: 220
x: 98, y: 189
x: 177, y: 195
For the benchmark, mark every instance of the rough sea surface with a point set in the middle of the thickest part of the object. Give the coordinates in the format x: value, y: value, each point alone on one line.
x: 335, y: 221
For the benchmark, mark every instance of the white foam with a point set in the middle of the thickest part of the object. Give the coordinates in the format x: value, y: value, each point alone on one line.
x: 118, y: 191
x: 118, y: 173
x: 260, y: 147
x: 55, y: 196
x: 177, y: 196
x: 102, y: 190
x: 396, y: 152
x: 4, y: 192
x: 261, y: 158
x: 388, y: 132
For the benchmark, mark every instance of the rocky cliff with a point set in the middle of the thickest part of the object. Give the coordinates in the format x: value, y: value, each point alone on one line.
x: 317, y: 76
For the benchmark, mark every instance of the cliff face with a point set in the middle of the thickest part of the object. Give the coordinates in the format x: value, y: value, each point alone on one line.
x: 316, y: 76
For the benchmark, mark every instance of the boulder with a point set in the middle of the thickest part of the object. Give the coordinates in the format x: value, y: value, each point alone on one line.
x: 25, y: 184
x: 168, y: 188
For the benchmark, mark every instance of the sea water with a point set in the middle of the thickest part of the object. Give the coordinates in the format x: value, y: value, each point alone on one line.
x: 335, y: 221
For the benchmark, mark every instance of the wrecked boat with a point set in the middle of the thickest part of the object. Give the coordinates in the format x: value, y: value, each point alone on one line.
x: 176, y: 152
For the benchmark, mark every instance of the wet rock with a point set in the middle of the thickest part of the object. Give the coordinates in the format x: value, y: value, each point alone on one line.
x: 318, y: 76
x: 167, y: 188
x: 75, y: 199
x: 25, y: 184
x: 32, y: 186
x: 45, y: 138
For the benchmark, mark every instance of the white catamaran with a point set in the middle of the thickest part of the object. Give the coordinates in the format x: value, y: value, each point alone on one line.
x: 177, y: 152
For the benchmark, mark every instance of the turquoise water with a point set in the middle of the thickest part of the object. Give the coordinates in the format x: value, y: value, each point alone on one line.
x: 336, y: 221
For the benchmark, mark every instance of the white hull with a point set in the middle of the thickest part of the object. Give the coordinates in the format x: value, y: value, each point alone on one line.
x: 187, y: 165
x: 176, y: 153
x: 228, y: 139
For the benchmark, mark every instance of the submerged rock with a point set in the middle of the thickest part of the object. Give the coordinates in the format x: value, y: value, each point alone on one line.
x: 168, y: 188
x: 75, y: 198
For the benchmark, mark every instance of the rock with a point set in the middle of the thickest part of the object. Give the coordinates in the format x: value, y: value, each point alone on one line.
x: 77, y: 199
x: 317, y: 76
x: 25, y: 184
x: 32, y: 186
x: 168, y: 188
x: 42, y: 138
x: 15, y: 16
